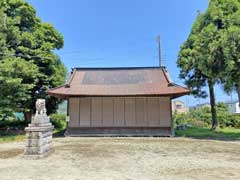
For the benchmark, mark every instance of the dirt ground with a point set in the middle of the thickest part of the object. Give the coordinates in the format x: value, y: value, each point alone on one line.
x: 124, y: 159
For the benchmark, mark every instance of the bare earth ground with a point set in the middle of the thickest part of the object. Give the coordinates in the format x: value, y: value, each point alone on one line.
x: 125, y: 159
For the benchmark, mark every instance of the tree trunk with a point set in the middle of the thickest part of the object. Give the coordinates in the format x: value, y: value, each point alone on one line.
x: 213, y: 105
x: 28, y: 116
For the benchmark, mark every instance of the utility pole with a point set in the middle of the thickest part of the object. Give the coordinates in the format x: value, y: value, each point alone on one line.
x: 159, y: 50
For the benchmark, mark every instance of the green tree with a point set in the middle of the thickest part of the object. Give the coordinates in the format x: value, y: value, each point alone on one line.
x: 230, y: 19
x: 201, y: 56
x: 26, y: 39
x: 212, y: 51
x: 17, y: 78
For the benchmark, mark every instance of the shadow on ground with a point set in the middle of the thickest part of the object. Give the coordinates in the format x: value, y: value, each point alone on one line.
x: 204, y: 133
x: 59, y: 133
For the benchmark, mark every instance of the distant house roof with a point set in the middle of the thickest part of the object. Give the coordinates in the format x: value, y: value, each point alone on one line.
x: 200, y: 105
x: 129, y: 81
x: 231, y: 102
x: 178, y: 101
x: 204, y: 104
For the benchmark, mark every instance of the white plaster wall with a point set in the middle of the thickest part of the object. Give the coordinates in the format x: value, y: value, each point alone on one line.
x: 237, y: 108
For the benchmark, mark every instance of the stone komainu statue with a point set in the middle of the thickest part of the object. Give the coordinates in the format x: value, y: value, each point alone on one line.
x: 41, y: 107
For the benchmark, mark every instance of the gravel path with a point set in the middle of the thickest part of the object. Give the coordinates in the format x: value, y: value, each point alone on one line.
x: 124, y: 159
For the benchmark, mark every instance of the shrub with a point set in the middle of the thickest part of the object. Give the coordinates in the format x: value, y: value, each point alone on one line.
x: 13, y: 123
x: 198, y: 123
x: 201, y: 114
x: 10, y: 120
x: 188, y: 118
x: 179, y: 119
x: 233, y: 120
x: 59, y: 121
x: 201, y: 117
x: 6, y: 114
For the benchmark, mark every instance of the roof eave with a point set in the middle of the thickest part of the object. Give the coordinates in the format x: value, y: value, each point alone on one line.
x: 65, y: 95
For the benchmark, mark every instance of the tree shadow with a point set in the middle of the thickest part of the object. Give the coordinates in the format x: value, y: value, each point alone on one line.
x: 207, y: 134
x: 59, y: 133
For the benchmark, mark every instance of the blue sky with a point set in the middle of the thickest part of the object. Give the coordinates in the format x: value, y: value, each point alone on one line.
x: 107, y: 33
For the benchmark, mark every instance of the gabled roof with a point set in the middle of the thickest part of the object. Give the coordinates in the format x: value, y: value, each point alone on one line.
x: 129, y: 81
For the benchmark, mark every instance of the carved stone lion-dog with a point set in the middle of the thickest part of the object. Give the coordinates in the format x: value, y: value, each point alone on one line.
x: 41, y: 107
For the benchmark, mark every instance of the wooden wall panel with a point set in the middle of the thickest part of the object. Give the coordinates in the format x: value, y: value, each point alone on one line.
x: 165, y: 112
x: 120, y: 112
x: 119, y: 120
x: 140, y: 112
x: 96, y: 111
x: 146, y: 112
x: 107, y: 110
x: 74, y: 112
x: 153, y: 112
x: 85, y: 112
x: 130, y: 119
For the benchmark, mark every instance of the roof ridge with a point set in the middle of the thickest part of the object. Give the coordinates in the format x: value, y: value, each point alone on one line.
x: 166, y: 76
x: 118, y: 68
x: 67, y: 84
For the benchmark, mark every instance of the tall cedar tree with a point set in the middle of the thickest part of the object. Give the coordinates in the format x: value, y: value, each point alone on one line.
x: 211, y: 53
x: 201, y: 56
x: 229, y: 17
x: 24, y: 39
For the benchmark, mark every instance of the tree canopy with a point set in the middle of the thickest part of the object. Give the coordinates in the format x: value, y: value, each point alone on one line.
x: 230, y: 18
x: 27, y: 50
x: 210, y: 55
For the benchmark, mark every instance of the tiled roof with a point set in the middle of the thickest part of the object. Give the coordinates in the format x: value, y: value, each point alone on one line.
x: 137, y: 81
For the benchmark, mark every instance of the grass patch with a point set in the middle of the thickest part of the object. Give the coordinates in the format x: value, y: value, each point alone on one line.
x: 10, y: 153
x: 11, y: 138
x: 204, y: 133
x: 11, y: 135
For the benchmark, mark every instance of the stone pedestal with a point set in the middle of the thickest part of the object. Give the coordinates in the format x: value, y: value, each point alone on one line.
x: 38, y: 137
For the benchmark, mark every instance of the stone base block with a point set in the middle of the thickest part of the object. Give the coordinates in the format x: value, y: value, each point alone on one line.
x: 40, y: 119
x: 38, y: 141
x: 37, y: 156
